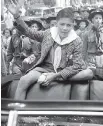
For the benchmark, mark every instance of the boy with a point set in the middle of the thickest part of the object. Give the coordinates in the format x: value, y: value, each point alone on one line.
x: 58, y: 45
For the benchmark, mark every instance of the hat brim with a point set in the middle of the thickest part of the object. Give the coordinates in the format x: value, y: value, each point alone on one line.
x: 51, y: 18
x: 93, y: 14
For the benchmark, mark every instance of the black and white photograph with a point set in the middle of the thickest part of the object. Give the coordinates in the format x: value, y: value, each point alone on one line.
x: 51, y: 59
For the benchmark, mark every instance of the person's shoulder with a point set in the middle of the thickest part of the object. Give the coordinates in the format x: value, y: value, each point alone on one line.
x: 47, y: 33
x: 78, y: 40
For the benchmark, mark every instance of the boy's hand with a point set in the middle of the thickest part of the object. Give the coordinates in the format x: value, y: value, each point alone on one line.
x: 12, y: 7
x: 50, y: 77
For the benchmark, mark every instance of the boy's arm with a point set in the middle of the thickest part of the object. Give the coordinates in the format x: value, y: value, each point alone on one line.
x: 21, y: 25
x: 78, y: 63
x: 24, y: 29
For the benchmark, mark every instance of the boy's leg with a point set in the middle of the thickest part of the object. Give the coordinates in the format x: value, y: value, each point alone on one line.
x: 83, y: 75
x: 24, y: 83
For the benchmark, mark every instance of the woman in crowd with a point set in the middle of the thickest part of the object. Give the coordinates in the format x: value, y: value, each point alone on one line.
x: 58, y: 45
x: 93, y: 44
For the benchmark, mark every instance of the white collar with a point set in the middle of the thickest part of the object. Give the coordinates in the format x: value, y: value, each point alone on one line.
x: 71, y: 36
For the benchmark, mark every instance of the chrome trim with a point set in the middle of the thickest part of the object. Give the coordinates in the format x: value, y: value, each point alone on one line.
x: 81, y: 113
x: 12, y: 120
x: 4, y: 112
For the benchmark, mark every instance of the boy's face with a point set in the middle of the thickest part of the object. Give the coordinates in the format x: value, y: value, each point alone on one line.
x: 82, y: 25
x: 64, y: 26
x: 97, y: 20
x: 34, y: 27
x: 53, y: 23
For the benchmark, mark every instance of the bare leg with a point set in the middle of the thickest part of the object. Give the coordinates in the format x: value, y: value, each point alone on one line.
x: 24, y: 83
x: 83, y: 75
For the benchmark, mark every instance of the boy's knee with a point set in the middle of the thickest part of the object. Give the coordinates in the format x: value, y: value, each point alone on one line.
x: 23, y: 79
x: 88, y: 73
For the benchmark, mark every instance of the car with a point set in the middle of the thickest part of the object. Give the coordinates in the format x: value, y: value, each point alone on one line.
x: 43, y: 113
x: 40, y: 12
x: 57, y: 9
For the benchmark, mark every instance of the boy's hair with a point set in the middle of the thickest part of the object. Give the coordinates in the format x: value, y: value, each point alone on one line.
x: 65, y: 13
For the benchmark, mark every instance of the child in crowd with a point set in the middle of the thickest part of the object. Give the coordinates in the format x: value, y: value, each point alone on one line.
x: 93, y: 44
x: 82, y: 24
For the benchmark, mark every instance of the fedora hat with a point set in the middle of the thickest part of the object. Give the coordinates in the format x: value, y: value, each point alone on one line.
x: 33, y: 21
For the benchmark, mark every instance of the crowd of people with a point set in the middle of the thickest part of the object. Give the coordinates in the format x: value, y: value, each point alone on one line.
x: 68, y: 46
